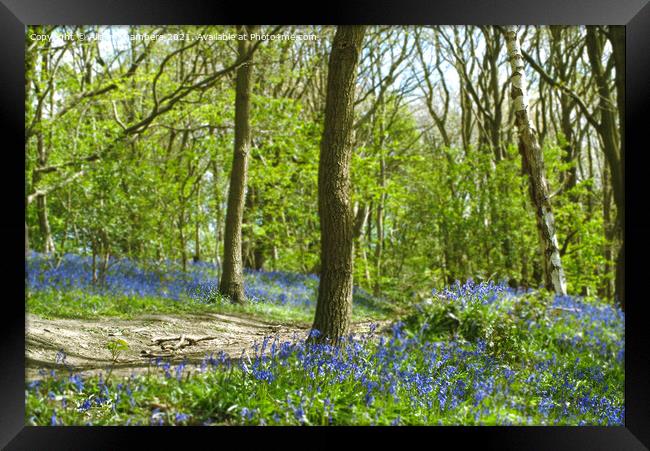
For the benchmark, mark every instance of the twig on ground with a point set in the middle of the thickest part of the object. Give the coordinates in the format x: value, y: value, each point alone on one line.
x: 183, y: 341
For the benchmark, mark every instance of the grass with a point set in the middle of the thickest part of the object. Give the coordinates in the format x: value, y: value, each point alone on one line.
x: 64, y: 289
x: 77, y: 304
x: 474, y: 354
x: 398, y: 380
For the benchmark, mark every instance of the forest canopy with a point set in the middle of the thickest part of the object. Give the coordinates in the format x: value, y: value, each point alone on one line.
x: 129, y: 142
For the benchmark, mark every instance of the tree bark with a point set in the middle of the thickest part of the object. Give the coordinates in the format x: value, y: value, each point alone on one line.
x: 232, y: 278
x: 217, y: 207
x: 607, y: 130
x: 181, y: 239
x: 30, y: 63
x: 360, y: 220
x: 533, y: 164
x: 248, y: 239
x: 42, y: 157
x: 334, y: 306
x: 564, y: 68
x: 379, y: 246
x: 609, y: 230
x: 26, y: 240
x: 197, y: 226
x: 44, y: 224
x: 617, y: 39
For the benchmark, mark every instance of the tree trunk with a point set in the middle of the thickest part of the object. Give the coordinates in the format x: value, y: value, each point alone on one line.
x: 465, y: 119
x: 248, y: 238
x: 232, y: 278
x: 103, y: 270
x: 197, y: 227
x: 44, y: 224
x: 533, y: 164
x: 617, y: 38
x: 562, y: 70
x: 94, y: 267
x: 609, y: 229
x: 360, y: 220
x: 495, y: 123
x: 524, y: 283
x: 30, y: 62
x: 42, y: 154
x: 570, y: 153
x: 181, y: 239
x: 217, y: 203
x: 334, y: 305
x: 379, y: 247
x: 26, y: 240
x: 607, y: 130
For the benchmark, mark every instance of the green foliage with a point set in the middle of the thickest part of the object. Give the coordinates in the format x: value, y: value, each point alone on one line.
x: 77, y: 304
x: 566, y: 371
x: 502, y: 333
x: 116, y: 347
x: 160, y: 194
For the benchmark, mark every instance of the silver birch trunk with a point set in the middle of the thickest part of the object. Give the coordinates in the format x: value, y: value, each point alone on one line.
x: 533, y: 163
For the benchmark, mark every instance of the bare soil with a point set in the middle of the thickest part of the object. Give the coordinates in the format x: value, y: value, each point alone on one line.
x: 174, y: 338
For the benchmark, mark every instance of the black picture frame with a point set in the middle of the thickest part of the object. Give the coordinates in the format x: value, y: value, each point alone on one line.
x: 16, y: 14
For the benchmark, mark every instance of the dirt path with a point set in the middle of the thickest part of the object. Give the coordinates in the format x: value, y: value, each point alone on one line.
x: 184, y: 337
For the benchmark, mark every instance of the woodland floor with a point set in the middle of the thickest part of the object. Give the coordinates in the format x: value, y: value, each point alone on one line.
x: 187, y: 337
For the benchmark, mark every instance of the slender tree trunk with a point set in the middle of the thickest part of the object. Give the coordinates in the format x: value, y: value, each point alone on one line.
x: 617, y: 38
x: 465, y: 119
x: 66, y: 225
x: 570, y: 152
x: 533, y: 163
x: 42, y: 154
x: 379, y: 247
x: 30, y: 62
x: 607, y: 129
x: 369, y: 223
x: 334, y: 305
x: 360, y: 220
x: 44, y: 224
x: 41, y: 203
x: 26, y: 240
x: 609, y: 229
x: 232, y: 277
x: 197, y: 227
x: 590, y: 187
x: 181, y: 238
x: 495, y: 123
x: 248, y: 238
x: 608, y: 132
x: 524, y: 283
x: 103, y: 270
x: 217, y: 202
x: 94, y: 267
